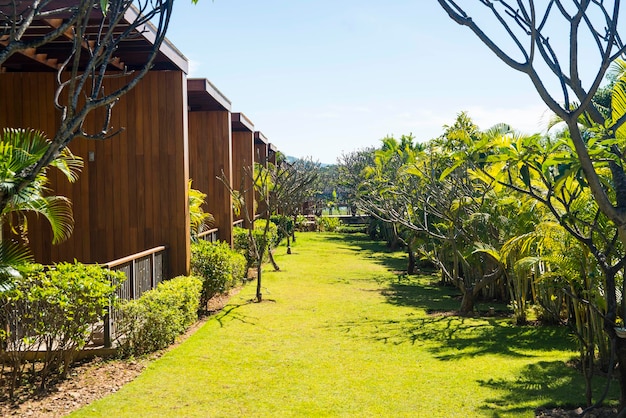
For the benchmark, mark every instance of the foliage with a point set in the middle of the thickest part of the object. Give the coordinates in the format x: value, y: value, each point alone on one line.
x: 241, y: 241
x: 327, y: 223
x: 20, y: 149
x: 220, y: 268
x: 284, y: 225
x: 153, y: 321
x: 198, y: 218
x: 352, y: 229
x: 54, y: 310
x: 587, y: 163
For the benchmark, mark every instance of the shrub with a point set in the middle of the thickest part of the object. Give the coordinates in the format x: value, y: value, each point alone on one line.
x: 153, y: 321
x: 284, y: 225
x: 242, y: 241
x: 301, y: 223
x: 220, y: 268
x: 55, y: 309
x: 352, y: 229
x: 328, y: 224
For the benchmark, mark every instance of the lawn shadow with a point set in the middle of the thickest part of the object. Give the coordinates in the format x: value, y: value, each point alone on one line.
x: 547, y: 381
x: 372, y: 250
x: 454, y: 335
x: 230, y: 313
x: 453, y: 338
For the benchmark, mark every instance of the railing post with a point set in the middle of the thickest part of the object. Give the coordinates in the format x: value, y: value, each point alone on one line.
x: 108, y: 340
x: 153, y: 271
x: 133, y: 290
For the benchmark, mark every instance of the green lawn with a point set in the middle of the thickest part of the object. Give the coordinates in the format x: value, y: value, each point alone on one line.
x: 340, y: 334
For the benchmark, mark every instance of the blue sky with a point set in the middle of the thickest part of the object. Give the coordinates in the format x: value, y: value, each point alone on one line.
x: 323, y: 77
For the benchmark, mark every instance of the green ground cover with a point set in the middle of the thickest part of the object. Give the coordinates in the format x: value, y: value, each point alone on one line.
x: 341, y: 334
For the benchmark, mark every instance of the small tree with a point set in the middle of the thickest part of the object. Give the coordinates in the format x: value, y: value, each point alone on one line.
x: 277, y: 186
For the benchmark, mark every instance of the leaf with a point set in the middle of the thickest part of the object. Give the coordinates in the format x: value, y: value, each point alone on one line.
x: 104, y: 6
x: 525, y: 173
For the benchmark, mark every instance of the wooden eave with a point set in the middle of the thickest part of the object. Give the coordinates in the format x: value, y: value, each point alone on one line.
x: 131, y: 54
x: 273, y: 148
x: 203, y: 96
x: 240, y: 123
x: 259, y: 138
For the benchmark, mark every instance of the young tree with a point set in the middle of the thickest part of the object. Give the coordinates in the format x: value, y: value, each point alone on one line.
x: 296, y: 186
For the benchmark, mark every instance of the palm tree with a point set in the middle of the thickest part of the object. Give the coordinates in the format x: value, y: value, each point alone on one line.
x: 20, y: 149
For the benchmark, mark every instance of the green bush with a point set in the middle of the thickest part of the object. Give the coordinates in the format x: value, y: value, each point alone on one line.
x: 328, y: 224
x: 284, y: 225
x: 352, y: 229
x: 242, y: 241
x: 220, y: 268
x: 55, y: 308
x: 153, y: 321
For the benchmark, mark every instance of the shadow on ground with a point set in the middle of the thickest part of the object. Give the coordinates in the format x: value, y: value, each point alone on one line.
x: 547, y: 381
x: 449, y: 337
x: 231, y: 313
x: 373, y: 250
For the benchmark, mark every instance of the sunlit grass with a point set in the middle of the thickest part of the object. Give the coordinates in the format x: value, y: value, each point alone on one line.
x: 341, y: 334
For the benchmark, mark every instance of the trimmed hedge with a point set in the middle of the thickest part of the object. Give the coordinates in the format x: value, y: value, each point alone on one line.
x: 219, y: 267
x: 153, y: 321
x: 53, y: 308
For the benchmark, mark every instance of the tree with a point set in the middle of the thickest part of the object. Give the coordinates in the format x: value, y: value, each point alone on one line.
x: 350, y: 166
x: 297, y: 185
x: 95, y: 29
x: 532, y: 32
x: 20, y: 149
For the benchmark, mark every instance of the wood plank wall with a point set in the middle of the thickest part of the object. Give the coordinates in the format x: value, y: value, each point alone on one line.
x: 210, y: 154
x: 133, y: 196
x: 260, y: 154
x: 260, y: 157
x: 243, y: 158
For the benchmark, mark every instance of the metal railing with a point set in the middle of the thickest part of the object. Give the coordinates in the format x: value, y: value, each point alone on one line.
x: 211, y: 235
x: 238, y: 223
x: 144, y: 271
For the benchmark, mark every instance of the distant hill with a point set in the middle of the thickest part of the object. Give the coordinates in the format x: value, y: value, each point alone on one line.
x: 290, y: 159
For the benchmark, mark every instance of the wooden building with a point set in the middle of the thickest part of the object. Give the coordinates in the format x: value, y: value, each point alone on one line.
x: 243, y: 162
x: 261, y: 148
x: 132, y: 192
x: 211, y: 151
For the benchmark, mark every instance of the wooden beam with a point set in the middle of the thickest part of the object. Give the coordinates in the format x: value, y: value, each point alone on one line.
x: 69, y: 35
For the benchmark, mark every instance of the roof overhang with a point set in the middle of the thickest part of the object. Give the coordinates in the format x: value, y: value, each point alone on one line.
x: 240, y: 123
x: 131, y: 54
x: 259, y: 138
x: 202, y: 95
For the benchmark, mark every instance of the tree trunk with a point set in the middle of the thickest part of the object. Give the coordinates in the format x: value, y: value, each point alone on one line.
x: 411, y: 267
x: 271, y: 256
x: 621, y: 361
x: 259, y: 295
x: 467, y: 303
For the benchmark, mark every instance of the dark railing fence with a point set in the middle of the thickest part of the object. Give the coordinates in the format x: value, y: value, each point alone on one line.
x: 144, y: 271
x: 211, y: 235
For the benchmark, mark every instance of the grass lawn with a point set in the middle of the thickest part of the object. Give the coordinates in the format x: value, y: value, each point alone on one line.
x: 341, y: 334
